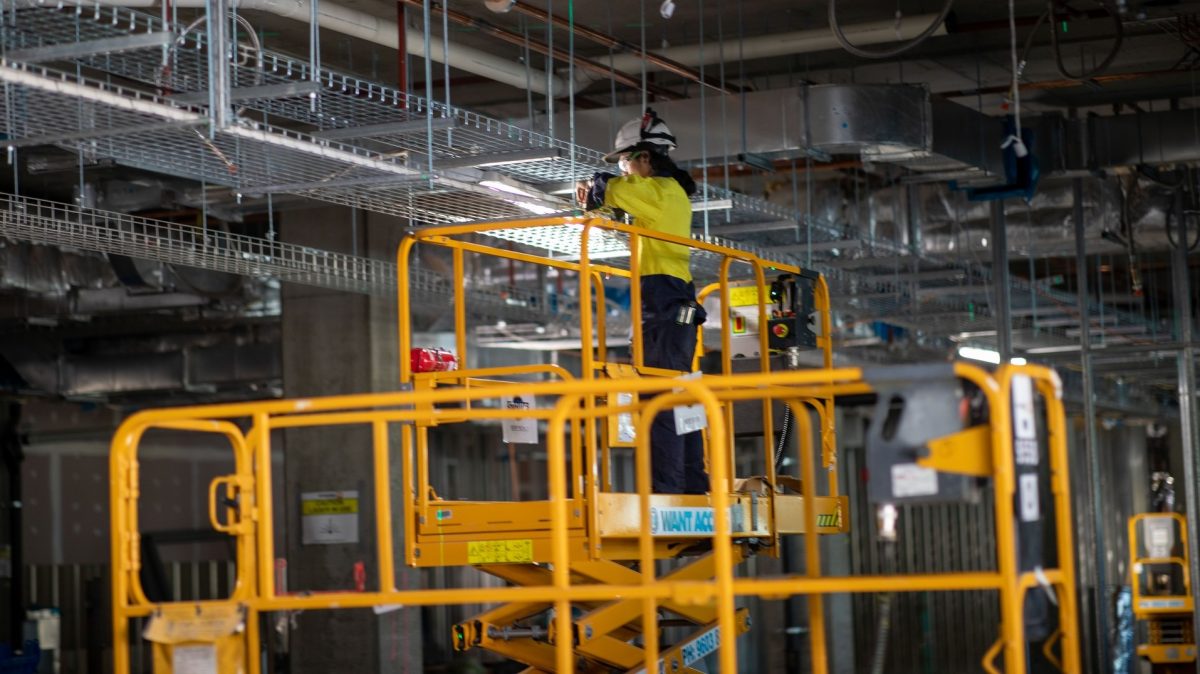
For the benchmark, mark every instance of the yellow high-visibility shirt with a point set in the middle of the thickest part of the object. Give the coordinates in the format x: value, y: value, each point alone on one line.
x: 659, y: 204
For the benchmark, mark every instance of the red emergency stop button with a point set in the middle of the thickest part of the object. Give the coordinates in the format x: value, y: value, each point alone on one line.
x: 780, y: 330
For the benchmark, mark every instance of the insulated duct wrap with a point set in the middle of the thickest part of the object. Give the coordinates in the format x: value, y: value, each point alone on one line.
x: 45, y: 270
x: 882, y: 123
x: 951, y: 224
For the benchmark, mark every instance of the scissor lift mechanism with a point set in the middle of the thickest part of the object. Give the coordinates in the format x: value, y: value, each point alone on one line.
x: 575, y: 550
x: 1161, y: 588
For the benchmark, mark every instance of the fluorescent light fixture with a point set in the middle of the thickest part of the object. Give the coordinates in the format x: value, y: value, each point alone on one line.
x: 520, y: 157
x: 502, y: 183
x: 985, y: 355
x: 536, y: 209
x: 500, y: 158
x: 712, y: 205
x: 1066, y: 348
x: 504, y: 187
x: 566, y: 187
x: 499, y: 182
x: 969, y: 335
x: 568, y: 344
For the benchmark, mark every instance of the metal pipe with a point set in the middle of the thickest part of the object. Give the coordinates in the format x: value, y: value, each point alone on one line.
x: 218, y: 65
x: 1001, y: 308
x: 314, y: 51
x: 402, y: 46
x: 1185, y: 361
x: 13, y: 456
x: 425, y: 10
x: 1100, y: 607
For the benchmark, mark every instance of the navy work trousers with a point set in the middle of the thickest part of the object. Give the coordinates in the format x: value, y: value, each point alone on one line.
x: 676, y: 461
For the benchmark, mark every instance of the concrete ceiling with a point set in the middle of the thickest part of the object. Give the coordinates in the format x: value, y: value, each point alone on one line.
x: 973, y: 56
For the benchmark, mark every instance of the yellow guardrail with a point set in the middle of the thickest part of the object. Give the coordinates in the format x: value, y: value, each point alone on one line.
x: 568, y: 530
x: 391, y: 413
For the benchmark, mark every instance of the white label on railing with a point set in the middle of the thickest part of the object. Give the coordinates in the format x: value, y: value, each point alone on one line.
x: 1027, y: 489
x: 194, y: 659
x: 909, y: 479
x: 329, y: 517
x: 690, y: 418
x: 1025, y: 444
x: 626, y: 429
x: 519, y: 431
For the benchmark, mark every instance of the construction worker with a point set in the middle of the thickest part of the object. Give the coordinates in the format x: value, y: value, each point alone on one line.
x: 655, y: 192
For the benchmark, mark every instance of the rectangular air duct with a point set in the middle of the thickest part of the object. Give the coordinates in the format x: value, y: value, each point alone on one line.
x: 892, y: 124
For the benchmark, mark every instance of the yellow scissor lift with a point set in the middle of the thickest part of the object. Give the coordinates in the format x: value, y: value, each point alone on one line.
x: 576, y: 550
x: 1162, y: 591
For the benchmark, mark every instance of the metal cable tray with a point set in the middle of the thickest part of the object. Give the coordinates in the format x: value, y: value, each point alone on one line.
x: 387, y: 121
x: 53, y: 223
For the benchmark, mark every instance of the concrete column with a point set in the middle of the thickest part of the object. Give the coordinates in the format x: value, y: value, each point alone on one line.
x: 339, y: 343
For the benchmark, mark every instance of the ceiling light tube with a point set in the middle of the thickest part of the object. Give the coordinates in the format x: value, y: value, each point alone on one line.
x: 500, y: 158
x: 499, y: 182
x: 984, y: 355
x: 712, y: 205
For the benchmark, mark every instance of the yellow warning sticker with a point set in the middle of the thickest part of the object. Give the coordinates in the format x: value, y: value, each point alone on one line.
x: 515, y: 551
x: 330, y: 504
x: 744, y: 296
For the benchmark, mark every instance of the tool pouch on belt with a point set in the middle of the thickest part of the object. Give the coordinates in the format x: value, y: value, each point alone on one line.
x: 690, y: 313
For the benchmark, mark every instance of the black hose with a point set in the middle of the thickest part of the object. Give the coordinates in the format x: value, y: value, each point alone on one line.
x: 883, y: 626
x: 886, y: 53
x: 1187, y: 184
x: 1169, y: 226
x: 783, y: 437
x: 1118, y: 38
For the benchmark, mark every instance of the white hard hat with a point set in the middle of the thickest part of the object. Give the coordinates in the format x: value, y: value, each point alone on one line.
x: 648, y: 132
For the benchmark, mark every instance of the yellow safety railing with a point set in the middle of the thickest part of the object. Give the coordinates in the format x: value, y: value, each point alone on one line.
x: 565, y: 531
x: 388, y: 413
x: 595, y: 451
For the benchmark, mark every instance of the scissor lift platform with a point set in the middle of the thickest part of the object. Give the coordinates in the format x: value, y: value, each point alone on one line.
x: 582, y: 591
x: 456, y: 533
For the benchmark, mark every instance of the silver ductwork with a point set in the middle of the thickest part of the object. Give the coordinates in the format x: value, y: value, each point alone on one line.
x: 43, y: 270
x: 903, y: 125
x: 892, y: 124
x: 189, y: 368
x: 1165, y: 137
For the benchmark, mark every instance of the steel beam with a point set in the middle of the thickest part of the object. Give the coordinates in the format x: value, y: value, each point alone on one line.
x: 74, y: 50
x: 217, y: 28
x: 1089, y: 431
x: 1186, y: 366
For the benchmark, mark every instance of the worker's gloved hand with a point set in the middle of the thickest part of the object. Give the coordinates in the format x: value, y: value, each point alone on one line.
x: 593, y: 197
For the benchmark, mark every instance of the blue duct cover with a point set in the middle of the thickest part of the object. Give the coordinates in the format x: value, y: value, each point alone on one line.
x: 1123, y: 648
x: 1021, y: 174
